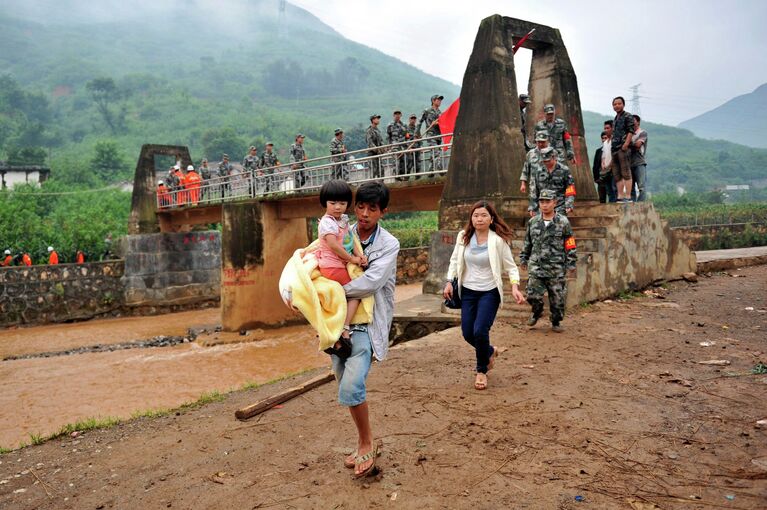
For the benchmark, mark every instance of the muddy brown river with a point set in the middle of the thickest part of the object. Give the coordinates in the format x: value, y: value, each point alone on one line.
x: 41, y: 395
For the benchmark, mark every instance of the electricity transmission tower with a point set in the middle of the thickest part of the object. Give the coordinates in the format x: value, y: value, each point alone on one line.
x: 635, y: 108
x: 281, y: 22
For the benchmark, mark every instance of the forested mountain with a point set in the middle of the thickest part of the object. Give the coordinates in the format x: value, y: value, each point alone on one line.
x: 85, y: 84
x: 214, y: 76
x: 739, y: 120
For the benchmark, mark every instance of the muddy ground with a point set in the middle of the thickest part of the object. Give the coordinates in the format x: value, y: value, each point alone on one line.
x: 616, y: 412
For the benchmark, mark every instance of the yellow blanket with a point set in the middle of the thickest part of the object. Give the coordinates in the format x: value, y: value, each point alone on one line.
x: 320, y: 300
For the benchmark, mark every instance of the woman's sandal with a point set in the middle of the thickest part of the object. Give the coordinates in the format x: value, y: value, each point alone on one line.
x: 361, y: 459
x: 480, y: 383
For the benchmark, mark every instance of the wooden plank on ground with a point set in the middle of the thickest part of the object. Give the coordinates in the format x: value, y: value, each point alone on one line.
x: 266, y: 404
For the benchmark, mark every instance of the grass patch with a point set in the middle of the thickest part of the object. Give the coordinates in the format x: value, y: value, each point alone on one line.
x: 110, y: 421
x: 585, y: 305
x: 627, y: 295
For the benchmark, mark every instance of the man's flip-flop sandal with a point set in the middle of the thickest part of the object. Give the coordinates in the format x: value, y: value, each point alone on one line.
x: 372, y: 454
x: 344, y: 351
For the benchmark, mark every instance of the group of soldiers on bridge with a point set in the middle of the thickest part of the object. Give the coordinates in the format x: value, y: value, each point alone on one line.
x: 407, y: 151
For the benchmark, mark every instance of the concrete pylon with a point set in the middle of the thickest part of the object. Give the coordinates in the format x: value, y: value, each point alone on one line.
x: 255, y: 245
x: 488, y: 150
x: 553, y: 80
x: 143, y: 215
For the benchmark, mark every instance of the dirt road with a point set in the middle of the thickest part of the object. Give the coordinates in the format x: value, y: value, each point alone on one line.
x: 616, y: 412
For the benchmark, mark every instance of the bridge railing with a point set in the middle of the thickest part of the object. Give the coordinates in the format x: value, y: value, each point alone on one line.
x: 419, y: 159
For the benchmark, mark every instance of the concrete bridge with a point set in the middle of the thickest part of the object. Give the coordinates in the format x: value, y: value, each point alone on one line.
x: 262, y: 224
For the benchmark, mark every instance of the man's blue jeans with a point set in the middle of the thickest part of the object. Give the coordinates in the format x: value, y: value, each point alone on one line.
x: 639, y: 175
x: 478, y: 309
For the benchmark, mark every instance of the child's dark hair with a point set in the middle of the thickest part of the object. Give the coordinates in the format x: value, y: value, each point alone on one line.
x: 373, y: 193
x: 336, y: 191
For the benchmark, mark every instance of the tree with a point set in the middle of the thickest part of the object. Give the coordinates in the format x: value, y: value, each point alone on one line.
x: 105, y: 93
x: 26, y: 156
x: 216, y: 142
x: 108, y: 163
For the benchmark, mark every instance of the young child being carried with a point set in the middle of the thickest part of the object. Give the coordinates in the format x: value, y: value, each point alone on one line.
x: 336, y: 249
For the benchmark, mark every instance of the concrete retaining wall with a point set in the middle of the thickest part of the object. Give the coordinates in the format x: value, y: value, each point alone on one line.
x: 43, y: 294
x: 172, y: 269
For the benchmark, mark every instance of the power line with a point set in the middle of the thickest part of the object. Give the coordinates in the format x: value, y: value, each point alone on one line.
x: 635, y: 108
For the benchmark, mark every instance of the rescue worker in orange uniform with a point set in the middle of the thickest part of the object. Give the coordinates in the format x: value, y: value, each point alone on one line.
x: 7, y: 259
x: 192, y: 184
x: 53, y: 257
x: 79, y: 257
x: 163, y: 195
x: 26, y: 259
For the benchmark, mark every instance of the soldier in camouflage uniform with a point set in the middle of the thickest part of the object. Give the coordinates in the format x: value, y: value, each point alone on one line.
x: 430, y: 117
x: 533, y: 159
x: 524, y: 100
x: 412, y: 134
x: 396, y: 133
x: 559, y: 137
x: 297, y: 158
x: 338, y: 156
x: 204, y: 171
x: 549, y: 256
x: 374, y: 141
x: 552, y: 175
x: 224, y: 174
x: 267, y: 163
x: 250, y: 166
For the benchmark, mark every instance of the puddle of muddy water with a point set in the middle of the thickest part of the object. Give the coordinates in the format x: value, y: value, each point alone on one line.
x: 41, y: 395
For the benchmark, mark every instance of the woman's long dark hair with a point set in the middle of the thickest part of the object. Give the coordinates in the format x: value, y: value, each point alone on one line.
x: 498, y: 225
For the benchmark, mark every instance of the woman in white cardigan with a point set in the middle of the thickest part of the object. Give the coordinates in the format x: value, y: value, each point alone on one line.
x: 481, y: 257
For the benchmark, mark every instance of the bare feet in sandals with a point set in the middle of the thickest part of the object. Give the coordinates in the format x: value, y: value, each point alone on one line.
x: 480, y: 383
x: 365, y: 461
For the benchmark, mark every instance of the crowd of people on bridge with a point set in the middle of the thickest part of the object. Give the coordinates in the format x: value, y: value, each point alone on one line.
x: 187, y: 187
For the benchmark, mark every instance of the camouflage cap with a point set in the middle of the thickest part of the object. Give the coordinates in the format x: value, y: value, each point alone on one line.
x: 395, y: 112
x: 547, y: 194
x: 525, y: 98
x: 204, y: 160
x: 548, y: 153
x: 338, y: 131
x: 374, y: 116
x: 269, y: 143
x: 300, y: 135
x: 549, y: 108
x: 225, y: 156
x: 541, y: 136
x: 413, y: 116
x: 252, y: 148
x: 437, y: 96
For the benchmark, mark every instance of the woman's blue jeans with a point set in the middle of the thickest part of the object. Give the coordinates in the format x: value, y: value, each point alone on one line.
x: 478, y: 309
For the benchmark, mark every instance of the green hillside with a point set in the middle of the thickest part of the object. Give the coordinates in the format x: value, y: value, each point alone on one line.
x: 184, y: 78
x: 83, y: 96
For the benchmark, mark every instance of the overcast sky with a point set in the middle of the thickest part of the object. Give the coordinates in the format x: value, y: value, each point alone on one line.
x: 689, y: 55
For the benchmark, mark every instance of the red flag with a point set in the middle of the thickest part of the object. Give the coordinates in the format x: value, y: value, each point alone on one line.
x: 447, y: 120
x: 521, y: 42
